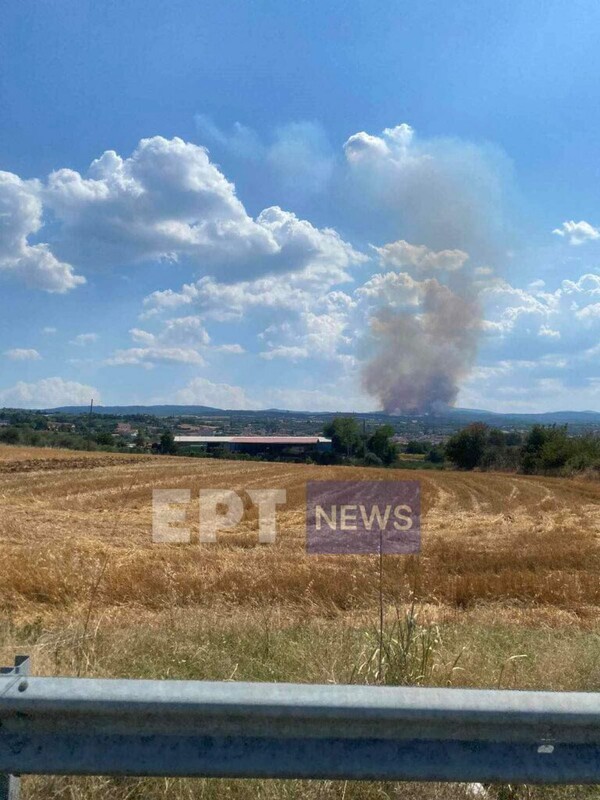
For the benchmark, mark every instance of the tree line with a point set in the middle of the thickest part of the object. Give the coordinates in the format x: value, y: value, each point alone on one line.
x: 543, y: 449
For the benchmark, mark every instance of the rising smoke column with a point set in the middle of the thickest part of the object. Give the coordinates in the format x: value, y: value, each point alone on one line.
x: 424, y: 317
x: 420, y: 358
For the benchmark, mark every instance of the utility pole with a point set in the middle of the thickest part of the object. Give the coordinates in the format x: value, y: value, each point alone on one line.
x: 89, y: 443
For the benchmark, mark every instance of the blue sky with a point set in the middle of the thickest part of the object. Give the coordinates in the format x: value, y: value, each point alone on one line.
x: 312, y: 205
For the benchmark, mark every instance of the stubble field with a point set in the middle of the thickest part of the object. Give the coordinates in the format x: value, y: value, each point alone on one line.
x: 505, y: 593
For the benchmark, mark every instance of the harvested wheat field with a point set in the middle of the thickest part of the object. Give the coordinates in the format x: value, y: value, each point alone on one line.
x: 505, y: 593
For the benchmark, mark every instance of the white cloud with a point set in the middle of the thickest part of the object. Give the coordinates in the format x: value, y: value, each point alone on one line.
x: 318, y: 332
x: 48, y: 393
x: 21, y: 218
x: 48, y: 330
x: 316, y: 261
x: 184, y: 331
x: 233, y: 349
x: 149, y: 356
x: 226, y: 301
x: 403, y: 254
x: 83, y: 339
x: 142, y: 337
x: 167, y: 201
x: 551, y: 314
x: 22, y: 354
x: 548, y: 332
x: 578, y: 232
x: 289, y: 352
x: 507, y: 307
x: 362, y: 147
x: 590, y: 312
x: 393, y: 289
x: 180, y: 341
x: 201, y: 391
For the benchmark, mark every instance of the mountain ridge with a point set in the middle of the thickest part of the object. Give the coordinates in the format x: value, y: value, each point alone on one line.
x: 469, y: 414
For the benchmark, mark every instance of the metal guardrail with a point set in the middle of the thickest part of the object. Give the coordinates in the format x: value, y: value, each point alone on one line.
x: 10, y: 784
x: 80, y: 726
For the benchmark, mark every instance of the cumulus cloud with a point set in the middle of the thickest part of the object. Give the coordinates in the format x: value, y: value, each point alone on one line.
x: 180, y: 341
x: 232, y: 349
x: 47, y: 393
x: 288, y: 352
x: 547, y: 331
x: 319, y: 330
x: 316, y: 261
x: 168, y: 201
x: 22, y: 354
x: 577, y: 232
x: 83, y: 339
x: 150, y: 356
x: 510, y: 311
x: 201, y: 391
x: 20, y: 220
x: 227, y: 301
x: 403, y: 254
x: 314, y: 320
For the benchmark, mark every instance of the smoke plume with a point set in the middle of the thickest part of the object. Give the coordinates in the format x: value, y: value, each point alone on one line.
x: 420, y: 359
x: 423, y: 310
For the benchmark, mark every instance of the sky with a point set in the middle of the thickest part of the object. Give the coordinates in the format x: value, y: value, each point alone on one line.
x: 315, y: 205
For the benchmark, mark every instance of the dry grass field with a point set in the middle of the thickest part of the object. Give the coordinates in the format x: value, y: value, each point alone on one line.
x: 505, y: 593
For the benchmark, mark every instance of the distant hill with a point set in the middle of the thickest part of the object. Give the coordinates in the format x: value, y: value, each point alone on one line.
x: 462, y: 415
x: 542, y: 418
x: 156, y: 411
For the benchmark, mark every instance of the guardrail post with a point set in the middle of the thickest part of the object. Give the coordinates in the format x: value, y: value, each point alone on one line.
x: 10, y: 785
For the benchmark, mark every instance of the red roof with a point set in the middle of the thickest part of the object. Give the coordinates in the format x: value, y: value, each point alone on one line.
x: 275, y: 439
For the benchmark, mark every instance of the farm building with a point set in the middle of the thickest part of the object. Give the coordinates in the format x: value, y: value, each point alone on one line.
x: 284, y: 446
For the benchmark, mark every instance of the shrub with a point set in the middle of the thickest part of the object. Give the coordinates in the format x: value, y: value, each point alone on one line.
x: 466, y: 448
x: 10, y: 436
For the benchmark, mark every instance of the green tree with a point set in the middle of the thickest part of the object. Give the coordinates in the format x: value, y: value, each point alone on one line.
x: 496, y: 438
x: 417, y: 448
x: 167, y: 444
x: 345, y: 436
x: 10, y: 436
x: 466, y: 448
x: 381, y: 445
x: 436, y: 455
x: 546, y: 448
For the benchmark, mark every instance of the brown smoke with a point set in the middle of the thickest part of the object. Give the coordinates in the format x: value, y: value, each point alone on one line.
x: 447, y: 199
x: 419, y: 359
